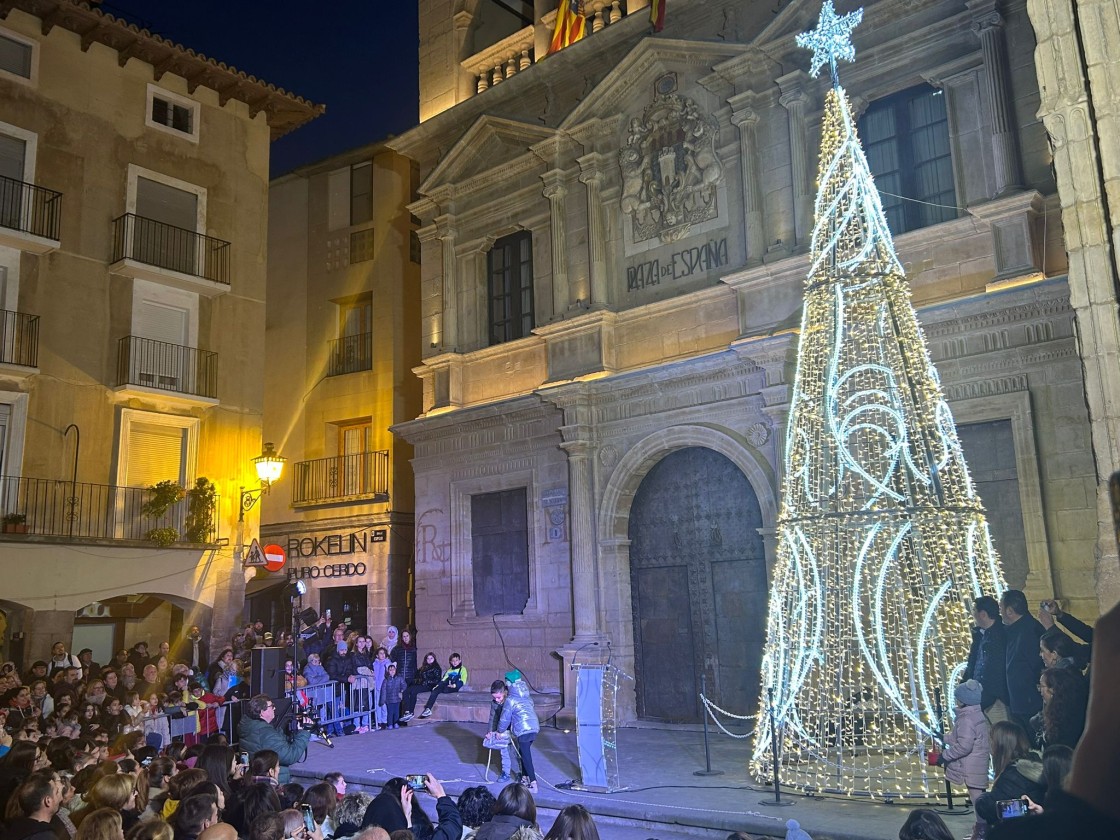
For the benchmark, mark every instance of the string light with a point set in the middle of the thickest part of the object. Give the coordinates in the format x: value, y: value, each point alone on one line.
x: 882, y: 539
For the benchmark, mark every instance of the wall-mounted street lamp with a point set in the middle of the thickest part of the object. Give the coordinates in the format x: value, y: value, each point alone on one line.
x: 269, y: 464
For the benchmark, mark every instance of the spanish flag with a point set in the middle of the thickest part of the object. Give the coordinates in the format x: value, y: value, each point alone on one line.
x: 657, y: 14
x: 570, y: 25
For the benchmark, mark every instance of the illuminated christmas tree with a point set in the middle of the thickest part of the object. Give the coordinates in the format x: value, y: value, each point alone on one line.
x: 882, y: 539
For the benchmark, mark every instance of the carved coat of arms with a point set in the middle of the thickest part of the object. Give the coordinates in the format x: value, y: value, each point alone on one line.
x: 670, y: 169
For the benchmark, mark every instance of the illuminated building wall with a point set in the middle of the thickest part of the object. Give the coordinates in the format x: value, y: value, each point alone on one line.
x: 132, y: 279
x: 662, y: 313
x: 341, y: 343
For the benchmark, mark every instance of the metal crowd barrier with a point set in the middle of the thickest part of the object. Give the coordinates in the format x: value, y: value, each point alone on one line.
x: 336, y: 705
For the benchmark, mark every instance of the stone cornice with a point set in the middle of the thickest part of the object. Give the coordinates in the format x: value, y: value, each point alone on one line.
x: 284, y: 111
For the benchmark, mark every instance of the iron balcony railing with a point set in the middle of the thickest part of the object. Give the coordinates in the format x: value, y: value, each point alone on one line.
x: 19, y: 338
x: 73, y: 509
x: 166, y: 246
x: 30, y: 209
x: 168, y: 367
x: 351, y: 354
x: 363, y: 475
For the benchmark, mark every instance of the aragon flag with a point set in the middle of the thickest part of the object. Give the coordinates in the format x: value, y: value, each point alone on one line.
x: 570, y: 25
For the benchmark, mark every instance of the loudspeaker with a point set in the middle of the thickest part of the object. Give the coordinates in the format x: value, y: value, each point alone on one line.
x: 267, y: 676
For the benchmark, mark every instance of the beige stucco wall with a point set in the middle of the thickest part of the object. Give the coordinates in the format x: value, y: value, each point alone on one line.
x: 88, y: 113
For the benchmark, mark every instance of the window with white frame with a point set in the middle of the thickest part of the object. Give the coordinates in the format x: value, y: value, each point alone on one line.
x: 156, y: 447
x: 164, y: 325
x: 13, y: 422
x: 172, y: 113
x: 17, y: 56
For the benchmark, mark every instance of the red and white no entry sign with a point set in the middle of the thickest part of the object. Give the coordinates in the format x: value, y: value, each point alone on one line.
x: 274, y: 557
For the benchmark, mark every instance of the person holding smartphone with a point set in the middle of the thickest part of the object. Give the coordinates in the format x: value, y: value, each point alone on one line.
x: 396, y: 807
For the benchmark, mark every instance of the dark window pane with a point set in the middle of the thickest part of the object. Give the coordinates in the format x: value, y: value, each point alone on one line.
x: 510, y: 271
x: 906, y: 140
x: 500, y: 552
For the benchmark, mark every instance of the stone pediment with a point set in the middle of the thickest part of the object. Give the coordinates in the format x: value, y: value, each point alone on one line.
x: 490, y: 143
x: 633, y: 78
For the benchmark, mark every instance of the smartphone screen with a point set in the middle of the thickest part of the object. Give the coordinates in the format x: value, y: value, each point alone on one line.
x: 1011, y: 808
x: 244, y: 758
x: 416, y: 781
x: 308, y: 817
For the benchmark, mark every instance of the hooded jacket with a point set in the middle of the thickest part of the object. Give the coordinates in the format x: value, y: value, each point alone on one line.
x: 966, y: 749
x: 1021, y: 778
x: 518, y: 713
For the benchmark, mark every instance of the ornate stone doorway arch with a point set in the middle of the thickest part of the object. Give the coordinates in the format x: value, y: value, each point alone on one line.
x: 722, y: 491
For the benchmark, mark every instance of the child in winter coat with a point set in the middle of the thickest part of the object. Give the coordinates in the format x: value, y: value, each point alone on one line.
x: 965, y: 757
x: 392, y: 690
x: 519, y: 716
x: 381, y: 663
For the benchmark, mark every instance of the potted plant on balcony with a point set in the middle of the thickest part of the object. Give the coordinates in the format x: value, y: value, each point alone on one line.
x: 161, y: 497
x: 14, y: 523
x: 201, y: 502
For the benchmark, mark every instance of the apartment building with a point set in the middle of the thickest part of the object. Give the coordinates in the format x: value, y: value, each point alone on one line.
x: 341, y: 341
x: 133, y: 234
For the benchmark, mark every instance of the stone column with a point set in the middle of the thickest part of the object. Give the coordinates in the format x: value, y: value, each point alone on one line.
x: 48, y: 627
x: 794, y: 100
x: 988, y: 25
x: 585, y: 578
x: 555, y: 191
x: 1075, y: 62
x: 449, y: 320
x: 592, y: 177
x: 229, y: 591
x: 746, y: 119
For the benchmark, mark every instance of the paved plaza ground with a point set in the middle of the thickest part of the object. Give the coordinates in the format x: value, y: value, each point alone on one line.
x: 663, y: 798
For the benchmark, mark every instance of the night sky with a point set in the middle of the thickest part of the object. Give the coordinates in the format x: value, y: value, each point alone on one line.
x: 358, y: 57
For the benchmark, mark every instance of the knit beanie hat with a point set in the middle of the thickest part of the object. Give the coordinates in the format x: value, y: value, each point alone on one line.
x: 968, y: 693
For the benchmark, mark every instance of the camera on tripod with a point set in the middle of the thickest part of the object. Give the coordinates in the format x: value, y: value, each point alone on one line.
x: 305, y: 716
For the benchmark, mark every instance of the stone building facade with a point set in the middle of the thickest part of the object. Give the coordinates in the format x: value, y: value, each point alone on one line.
x: 341, y: 342
x: 614, y: 244
x: 133, y: 202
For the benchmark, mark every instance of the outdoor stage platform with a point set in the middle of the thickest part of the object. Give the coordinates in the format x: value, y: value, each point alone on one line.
x: 664, y: 799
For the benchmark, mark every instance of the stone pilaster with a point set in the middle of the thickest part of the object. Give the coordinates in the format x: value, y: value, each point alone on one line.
x: 746, y: 118
x: 591, y: 176
x: 795, y: 100
x: 555, y: 191
x: 449, y: 326
x: 988, y: 25
x: 585, y: 587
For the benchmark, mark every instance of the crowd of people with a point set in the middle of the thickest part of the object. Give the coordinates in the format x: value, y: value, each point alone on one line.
x: 80, y: 740
x: 1021, y: 707
x: 79, y: 762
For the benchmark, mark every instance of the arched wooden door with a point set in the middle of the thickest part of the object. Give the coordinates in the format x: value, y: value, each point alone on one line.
x: 698, y: 586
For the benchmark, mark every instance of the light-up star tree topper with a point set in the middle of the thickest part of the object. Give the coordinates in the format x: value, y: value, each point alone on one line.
x: 882, y: 539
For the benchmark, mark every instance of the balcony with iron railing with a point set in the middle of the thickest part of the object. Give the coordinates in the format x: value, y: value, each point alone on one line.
x: 30, y: 216
x: 363, y: 476
x: 350, y: 354
x: 19, y: 342
x: 73, y: 510
x: 151, y: 250
x: 148, y: 365
x: 519, y: 51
